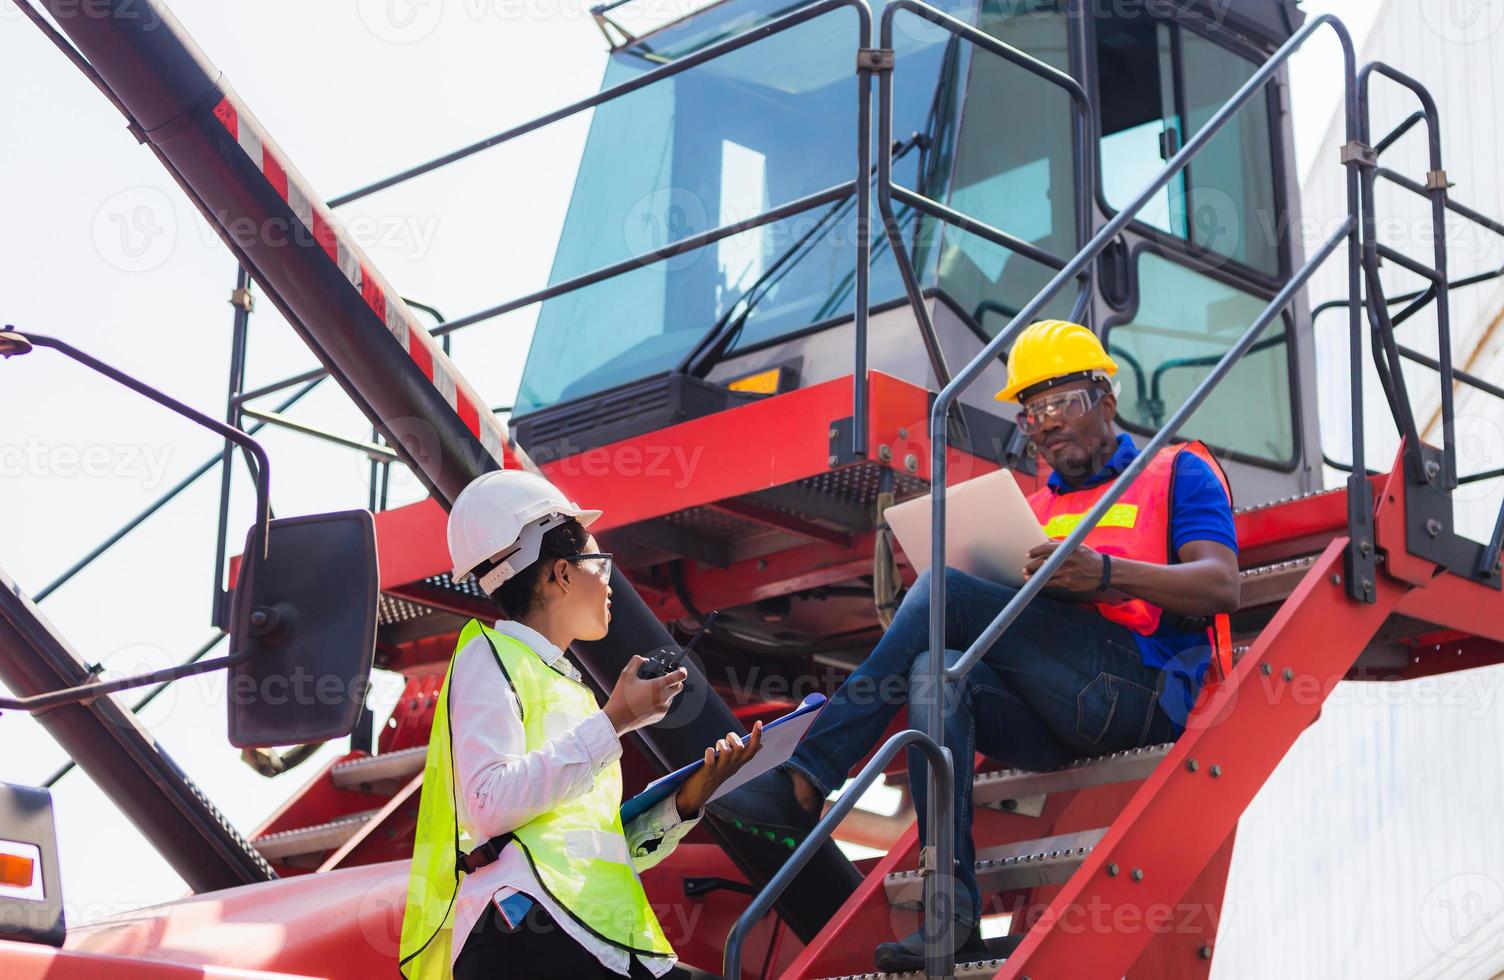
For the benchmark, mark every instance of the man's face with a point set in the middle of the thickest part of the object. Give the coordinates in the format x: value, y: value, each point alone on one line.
x: 1074, y: 447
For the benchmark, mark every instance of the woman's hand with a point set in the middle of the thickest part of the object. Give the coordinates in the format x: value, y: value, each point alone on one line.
x: 637, y: 702
x: 722, y: 760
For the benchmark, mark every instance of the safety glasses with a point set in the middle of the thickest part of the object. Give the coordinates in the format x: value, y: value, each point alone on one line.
x: 1061, y: 406
x: 594, y: 562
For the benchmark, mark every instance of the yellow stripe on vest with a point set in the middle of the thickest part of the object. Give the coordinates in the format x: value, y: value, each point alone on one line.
x: 1118, y: 515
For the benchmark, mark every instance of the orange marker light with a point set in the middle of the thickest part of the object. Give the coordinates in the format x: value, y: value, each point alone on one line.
x: 16, y: 871
x: 762, y: 383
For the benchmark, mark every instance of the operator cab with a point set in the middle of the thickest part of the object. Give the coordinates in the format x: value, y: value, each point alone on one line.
x: 775, y: 122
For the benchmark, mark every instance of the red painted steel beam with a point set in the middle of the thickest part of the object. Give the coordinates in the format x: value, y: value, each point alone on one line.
x: 710, y: 461
x: 1464, y: 605
x: 783, y: 573
x: 1285, y: 528
x: 1175, y: 824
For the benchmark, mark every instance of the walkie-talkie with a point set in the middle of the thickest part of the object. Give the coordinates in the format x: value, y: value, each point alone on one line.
x: 665, y: 660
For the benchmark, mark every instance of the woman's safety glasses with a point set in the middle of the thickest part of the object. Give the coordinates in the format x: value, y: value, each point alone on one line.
x: 1062, y: 406
x: 595, y: 562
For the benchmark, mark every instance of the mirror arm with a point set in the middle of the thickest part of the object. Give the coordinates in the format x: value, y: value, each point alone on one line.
x: 13, y: 342
x: 38, y: 703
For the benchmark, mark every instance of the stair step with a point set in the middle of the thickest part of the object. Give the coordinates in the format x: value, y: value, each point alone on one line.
x: 375, y: 773
x: 302, y: 841
x: 991, y: 788
x: 1268, y: 584
x: 964, y: 971
x: 1026, y: 864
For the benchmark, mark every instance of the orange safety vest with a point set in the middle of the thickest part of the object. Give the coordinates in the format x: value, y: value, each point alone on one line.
x: 1136, y: 527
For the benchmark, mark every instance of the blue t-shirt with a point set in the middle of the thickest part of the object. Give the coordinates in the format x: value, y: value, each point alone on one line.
x: 1199, y: 511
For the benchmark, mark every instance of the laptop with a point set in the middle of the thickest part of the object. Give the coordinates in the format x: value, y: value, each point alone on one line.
x: 989, y: 528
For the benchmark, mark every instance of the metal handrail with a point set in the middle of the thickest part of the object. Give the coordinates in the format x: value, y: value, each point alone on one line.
x: 160, y: 502
x: 947, y: 397
x: 859, y: 187
x: 1390, y: 374
x: 708, y: 53
x: 939, y: 760
x: 888, y: 190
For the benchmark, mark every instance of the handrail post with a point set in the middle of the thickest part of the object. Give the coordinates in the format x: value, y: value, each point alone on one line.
x: 241, y: 300
x: 1436, y: 193
x: 863, y: 270
x: 764, y: 899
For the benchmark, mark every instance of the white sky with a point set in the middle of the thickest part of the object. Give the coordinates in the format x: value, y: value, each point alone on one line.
x: 102, y: 249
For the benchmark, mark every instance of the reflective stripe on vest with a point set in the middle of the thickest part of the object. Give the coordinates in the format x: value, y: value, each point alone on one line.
x: 577, y: 850
x: 1136, y: 527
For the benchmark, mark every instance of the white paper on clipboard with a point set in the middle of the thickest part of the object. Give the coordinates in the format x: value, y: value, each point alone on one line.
x: 779, y: 738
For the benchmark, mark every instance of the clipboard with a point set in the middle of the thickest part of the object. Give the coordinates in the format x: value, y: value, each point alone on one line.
x: 779, y: 738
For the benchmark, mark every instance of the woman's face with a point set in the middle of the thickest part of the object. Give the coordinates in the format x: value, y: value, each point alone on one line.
x: 586, y: 602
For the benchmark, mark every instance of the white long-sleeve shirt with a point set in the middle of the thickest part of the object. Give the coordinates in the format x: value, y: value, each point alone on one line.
x: 502, y: 786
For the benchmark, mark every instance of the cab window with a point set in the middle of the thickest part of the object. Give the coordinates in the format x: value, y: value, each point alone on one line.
x: 1185, y: 321
x: 1159, y: 83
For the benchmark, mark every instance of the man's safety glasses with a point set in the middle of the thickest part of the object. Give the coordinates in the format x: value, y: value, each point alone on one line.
x: 595, y: 562
x: 1062, y: 406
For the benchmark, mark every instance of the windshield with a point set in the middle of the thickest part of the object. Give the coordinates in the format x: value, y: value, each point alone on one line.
x: 766, y: 125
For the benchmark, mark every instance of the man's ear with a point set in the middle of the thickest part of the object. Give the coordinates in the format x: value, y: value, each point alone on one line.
x: 1110, y: 407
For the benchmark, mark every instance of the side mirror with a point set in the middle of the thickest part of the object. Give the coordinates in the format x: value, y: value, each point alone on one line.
x: 31, y: 889
x: 305, y: 612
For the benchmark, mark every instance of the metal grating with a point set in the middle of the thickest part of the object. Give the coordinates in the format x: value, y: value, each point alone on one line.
x: 444, y: 580
x: 390, y: 609
x: 718, y: 524
x: 860, y: 483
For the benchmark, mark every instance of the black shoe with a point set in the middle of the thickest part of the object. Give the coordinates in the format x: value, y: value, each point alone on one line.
x: 907, y: 955
x: 767, y: 807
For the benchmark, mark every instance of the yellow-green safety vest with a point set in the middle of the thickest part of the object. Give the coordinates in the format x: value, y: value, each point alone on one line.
x: 577, y: 850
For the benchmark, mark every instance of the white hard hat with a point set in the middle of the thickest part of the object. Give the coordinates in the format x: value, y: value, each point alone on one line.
x: 502, y: 517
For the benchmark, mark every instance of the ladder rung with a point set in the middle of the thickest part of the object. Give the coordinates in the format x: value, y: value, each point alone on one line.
x: 316, y: 839
x: 1026, y: 864
x: 1119, y: 767
x: 964, y: 971
x: 370, y: 772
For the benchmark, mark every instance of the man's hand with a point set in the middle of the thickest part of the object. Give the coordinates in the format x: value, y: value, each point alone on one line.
x: 636, y: 702
x: 722, y: 760
x: 1082, y: 571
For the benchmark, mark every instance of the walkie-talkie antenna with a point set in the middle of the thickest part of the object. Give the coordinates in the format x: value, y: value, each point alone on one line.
x: 699, y: 633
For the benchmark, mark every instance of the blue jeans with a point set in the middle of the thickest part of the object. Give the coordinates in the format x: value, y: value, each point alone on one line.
x: 1062, y: 684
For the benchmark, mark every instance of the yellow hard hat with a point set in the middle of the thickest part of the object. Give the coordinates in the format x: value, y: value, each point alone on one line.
x: 1054, y: 350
